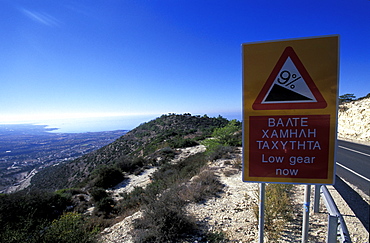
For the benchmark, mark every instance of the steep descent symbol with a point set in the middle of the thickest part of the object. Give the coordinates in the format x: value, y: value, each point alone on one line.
x: 289, y: 86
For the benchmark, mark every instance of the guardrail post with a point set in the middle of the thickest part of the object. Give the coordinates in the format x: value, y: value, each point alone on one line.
x: 335, y: 222
x: 332, y: 229
x: 316, y: 202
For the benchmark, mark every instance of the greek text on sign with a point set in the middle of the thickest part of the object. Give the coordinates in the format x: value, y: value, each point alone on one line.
x: 289, y: 146
x: 290, y: 110
x: 289, y: 86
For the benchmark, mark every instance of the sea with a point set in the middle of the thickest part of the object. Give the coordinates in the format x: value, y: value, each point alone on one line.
x: 100, y: 124
x: 94, y: 124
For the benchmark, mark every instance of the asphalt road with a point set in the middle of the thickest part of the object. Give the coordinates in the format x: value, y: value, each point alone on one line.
x: 353, y: 164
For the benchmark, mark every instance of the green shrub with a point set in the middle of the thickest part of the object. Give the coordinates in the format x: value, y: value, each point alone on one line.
x: 130, y: 165
x: 132, y: 200
x: 167, y: 154
x: 69, y: 228
x: 222, y: 139
x: 11, y: 235
x: 106, y: 177
x: 105, y: 206
x: 346, y: 98
x: 69, y: 192
x: 181, y: 142
x: 229, y: 135
x: 24, y: 215
x: 98, y: 194
x: 216, y: 237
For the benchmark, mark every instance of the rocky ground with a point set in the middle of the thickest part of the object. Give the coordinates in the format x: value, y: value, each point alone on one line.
x: 232, y: 211
x: 354, y: 120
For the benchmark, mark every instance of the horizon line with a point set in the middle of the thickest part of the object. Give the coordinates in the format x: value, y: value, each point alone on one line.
x: 39, y: 118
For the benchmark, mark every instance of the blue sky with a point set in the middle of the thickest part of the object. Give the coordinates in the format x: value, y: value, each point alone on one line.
x: 130, y: 57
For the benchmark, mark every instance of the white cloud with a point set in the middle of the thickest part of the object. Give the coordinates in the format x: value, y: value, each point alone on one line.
x: 41, y: 18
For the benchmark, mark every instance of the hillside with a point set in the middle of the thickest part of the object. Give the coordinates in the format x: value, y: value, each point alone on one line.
x: 134, y: 189
x: 354, y: 120
x: 145, y: 141
x: 83, y: 206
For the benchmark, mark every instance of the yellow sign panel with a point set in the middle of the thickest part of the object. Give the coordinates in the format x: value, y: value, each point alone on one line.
x: 290, y: 110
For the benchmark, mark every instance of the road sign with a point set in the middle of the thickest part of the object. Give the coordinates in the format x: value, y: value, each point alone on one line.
x: 290, y: 110
x: 289, y: 86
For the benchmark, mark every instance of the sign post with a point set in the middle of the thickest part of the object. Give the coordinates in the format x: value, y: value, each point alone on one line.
x: 306, y: 213
x: 290, y: 110
x: 261, y: 212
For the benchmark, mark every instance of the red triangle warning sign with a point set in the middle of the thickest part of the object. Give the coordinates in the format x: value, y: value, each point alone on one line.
x: 289, y: 86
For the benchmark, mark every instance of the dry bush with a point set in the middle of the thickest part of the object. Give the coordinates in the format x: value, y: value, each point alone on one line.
x: 237, y: 163
x: 230, y: 172
x: 277, y: 208
x: 164, y: 220
x: 219, y: 152
x: 206, y: 184
x: 163, y: 200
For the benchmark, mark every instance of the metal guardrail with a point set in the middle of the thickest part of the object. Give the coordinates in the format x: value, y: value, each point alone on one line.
x: 337, y: 228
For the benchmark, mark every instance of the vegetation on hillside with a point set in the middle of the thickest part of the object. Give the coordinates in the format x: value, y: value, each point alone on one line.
x: 55, y: 208
x: 44, y: 214
x: 351, y: 97
x: 39, y: 217
x: 149, y: 140
x: 223, y: 140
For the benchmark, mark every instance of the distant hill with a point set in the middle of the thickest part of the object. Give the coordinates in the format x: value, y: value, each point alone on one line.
x: 146, y: 144
x: 26, y: 149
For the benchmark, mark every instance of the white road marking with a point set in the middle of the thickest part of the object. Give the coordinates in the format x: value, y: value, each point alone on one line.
x: 354, y: 151
x: 354, y: 172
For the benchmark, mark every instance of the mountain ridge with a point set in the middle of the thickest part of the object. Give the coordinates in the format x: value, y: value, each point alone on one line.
x: 171, y: 130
